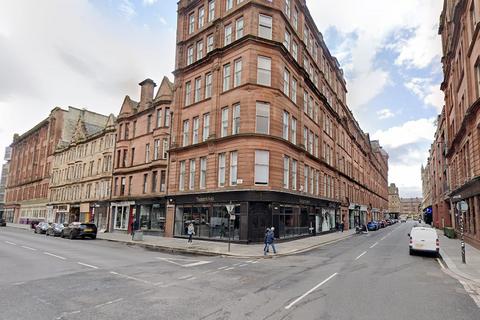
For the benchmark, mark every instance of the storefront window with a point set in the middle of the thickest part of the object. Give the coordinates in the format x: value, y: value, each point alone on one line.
x: 121, y: 217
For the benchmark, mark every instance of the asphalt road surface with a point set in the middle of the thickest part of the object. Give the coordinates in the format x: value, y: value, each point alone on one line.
x: 364, y: 277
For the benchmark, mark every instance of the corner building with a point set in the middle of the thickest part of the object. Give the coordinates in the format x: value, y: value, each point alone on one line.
x: 261, y: 122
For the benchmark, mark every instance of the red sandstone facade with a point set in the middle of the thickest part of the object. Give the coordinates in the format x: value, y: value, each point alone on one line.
x: 141, y: 159
x: 261, y: 122
x: 28, y: 182
x: 460, y: 29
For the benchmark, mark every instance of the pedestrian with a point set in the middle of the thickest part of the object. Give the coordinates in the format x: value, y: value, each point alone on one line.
x: 265, y: 248
x: 342, y: 225
x: 190, y: 232
x: 270, y: 240
x: 133, y: 227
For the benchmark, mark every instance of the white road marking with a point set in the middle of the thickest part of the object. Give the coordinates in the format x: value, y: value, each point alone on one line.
x: 361, y: 255
x: 249, y: 261
x: 185, y: 277
x: 310, y: 291
x: 383, y: 238
x: 54, y: 255
x: 29, y: 248
x: 87, y: 265
x: 255, y: 261
x: 199, y: 263
x: 373, y: 245
x: 186, y: 263
x: 243, y: 265
x: 231, y: 268
x: 224, y: 267
x: 18, y: 283
x: 12, y: 243
x: 192, y: 278
x: 441, y: 264
x: 107, y: 303
x: 129, y: 277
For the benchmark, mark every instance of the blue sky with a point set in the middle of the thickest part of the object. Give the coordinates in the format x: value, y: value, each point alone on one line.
x: 91, y: 53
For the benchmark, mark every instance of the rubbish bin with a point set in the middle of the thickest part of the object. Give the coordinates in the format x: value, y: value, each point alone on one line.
x: 138, y: 235
x: 449, y: 232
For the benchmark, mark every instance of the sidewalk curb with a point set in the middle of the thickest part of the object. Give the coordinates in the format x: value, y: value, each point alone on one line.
x: 187, y: 251
x: 453, y: 267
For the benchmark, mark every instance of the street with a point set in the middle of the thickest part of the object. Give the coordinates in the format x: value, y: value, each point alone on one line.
x: 368, y: 276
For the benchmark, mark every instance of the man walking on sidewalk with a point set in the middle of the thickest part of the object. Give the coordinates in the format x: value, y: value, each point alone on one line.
x: 190, y: 232
x: 270, y: 240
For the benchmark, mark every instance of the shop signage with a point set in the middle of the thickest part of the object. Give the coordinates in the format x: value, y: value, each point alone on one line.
x: 205, y: 199
x: 303, y: 201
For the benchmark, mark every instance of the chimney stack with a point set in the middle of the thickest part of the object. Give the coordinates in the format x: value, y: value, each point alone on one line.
x: 146, y: 95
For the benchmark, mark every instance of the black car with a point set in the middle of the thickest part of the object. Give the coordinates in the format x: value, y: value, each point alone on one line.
x: 41, y: 227
x: 79, y: 230
x: 55, y: 229
x: 3, y: 223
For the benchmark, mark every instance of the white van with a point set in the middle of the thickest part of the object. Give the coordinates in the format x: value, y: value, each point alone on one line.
x: 424, y: 240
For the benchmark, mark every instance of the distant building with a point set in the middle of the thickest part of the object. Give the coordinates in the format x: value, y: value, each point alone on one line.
x: 3, y: 181
x: 27, y: 191
x: 81, y: 179
x: 410, y: 206
x: 394, y: 208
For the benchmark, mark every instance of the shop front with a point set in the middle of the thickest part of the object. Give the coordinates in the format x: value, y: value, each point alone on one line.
x: 122, y: 216
x: 151, y: 216
x: 292, y: 217
x: 354, y: 215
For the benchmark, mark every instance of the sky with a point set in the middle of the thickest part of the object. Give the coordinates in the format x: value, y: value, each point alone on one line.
x: 90, y: 54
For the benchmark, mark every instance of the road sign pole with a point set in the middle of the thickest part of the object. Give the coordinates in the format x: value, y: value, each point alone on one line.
x: 230, y: 208
x: 462, y: 207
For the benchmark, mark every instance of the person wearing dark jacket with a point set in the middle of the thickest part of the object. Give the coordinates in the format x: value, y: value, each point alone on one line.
x: 270, y: 239
x: 265, y: 248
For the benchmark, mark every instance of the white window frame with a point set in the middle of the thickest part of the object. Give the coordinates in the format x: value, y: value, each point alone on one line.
x: 265, y: 26
x: 262, y: 164
x: 286, y: 172
x: 203, y: 172
x: 236, y: 119
x: 206, y: 127
x: 221, y: 169
x: 286, y: 126
x: 226, y: 77
x: 237, y: 78
x: 233, y: 168
x: 264, y: 71
x: 224, y: 128
x: 196, y: 125
x: 262, y: 112
x: 191, y: 178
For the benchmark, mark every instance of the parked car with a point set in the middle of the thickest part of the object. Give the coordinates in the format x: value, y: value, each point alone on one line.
x: 3, y: 223
x: 424, y: 239
x: 55, y: 229
x: 79, y: 230
x: 372, y: 226
x: 381, y: 224
x: 403, y: 220
x: 389, y: 222
x: 42, y: 227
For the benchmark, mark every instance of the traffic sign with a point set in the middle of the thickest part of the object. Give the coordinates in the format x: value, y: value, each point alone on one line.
x: 462, y: 206
x: 230, y: 208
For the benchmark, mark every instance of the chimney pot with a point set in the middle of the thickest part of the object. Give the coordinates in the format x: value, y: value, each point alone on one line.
x: 146, y: 94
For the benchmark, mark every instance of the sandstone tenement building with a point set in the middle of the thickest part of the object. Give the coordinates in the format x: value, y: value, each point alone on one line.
x: 261, y: 122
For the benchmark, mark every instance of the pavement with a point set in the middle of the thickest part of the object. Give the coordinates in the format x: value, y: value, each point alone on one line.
x: 369, y: 276
x: 212, y: 248
x: 450, y: 250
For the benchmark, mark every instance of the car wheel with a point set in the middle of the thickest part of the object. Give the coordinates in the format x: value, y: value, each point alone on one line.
x: 94, y: 237
x: 71, y: 236
x: 61, y: 235
x: 411, y: 252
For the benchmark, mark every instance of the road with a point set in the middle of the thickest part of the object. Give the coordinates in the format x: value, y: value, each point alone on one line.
x: 364, y: 277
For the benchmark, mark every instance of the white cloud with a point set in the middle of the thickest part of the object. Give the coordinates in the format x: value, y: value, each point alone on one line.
x: 127, y: 9
x: 149, y: 2
x: 407, y: 145
x: 367, y: 26
x: 61, y: 55
x: 414, y: 131
x: 385, y: 114
x: 427, y: 91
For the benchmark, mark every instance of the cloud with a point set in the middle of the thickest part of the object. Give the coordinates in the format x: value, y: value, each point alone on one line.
x: 127, y: 9
x: 163, y: 20
x: 366, y: 27
x: 407, y: 146
x: 427, y: 91
x: 59, y: 54
x: 385, y: 114
x: 409, y: 132
x: 149, y: 2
